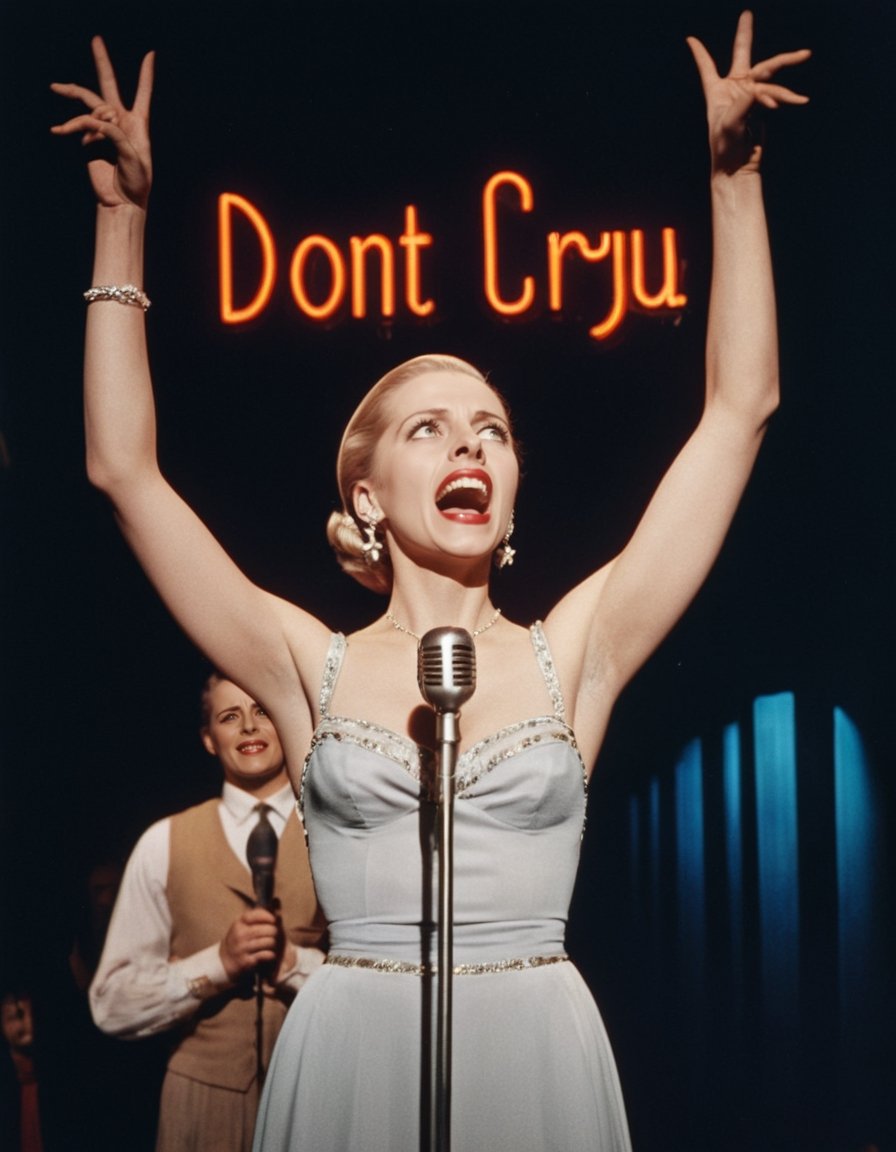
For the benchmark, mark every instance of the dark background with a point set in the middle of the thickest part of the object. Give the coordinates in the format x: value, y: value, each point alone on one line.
x: 332, y: 120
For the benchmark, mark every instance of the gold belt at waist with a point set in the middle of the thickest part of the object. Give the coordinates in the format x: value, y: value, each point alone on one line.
x: 406, y: 967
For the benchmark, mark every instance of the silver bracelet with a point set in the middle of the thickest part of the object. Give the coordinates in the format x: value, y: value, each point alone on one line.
x: 126, y: 294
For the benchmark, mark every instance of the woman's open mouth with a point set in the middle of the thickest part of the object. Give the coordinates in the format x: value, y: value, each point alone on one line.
x: 465, y: 495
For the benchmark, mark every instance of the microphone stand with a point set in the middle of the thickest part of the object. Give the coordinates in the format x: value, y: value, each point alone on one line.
x: 446, y: 673
x: 259, y: 1029
x: 447, y: 739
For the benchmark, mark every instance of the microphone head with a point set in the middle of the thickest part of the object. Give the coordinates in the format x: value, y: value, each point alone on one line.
x: 261, y: 856
x: 446, y: 668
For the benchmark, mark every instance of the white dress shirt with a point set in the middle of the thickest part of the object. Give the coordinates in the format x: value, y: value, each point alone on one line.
x: 137, y: 989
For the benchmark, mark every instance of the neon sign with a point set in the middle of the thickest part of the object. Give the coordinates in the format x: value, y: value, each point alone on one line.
x: 324, y: 276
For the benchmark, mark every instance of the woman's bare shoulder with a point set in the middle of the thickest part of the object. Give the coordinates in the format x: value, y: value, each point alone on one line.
x: 307, y: 639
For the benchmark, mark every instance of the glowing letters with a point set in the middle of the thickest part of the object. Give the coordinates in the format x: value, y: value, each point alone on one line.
x: 227, y: 202
x: 365, y: 272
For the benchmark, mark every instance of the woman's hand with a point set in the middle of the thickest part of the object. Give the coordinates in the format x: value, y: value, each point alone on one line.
x: 730, y: 98
x: 129, y: 179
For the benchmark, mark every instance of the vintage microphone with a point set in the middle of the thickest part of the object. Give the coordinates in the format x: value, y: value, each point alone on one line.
x: 446, y: 673
x: 261, y: 856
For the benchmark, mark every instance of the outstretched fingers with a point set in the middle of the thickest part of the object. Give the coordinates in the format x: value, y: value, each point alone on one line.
x: 98, y: 110
x: 763, y: 69
x: 127, y: 178
x: 770, y: 95
x: 109, y: 84
x: 99, y: 118
x: 95, y: 127
x: 143, y: 96
x: 743, y: 45
x: 773, y: 95
x: 766, y: 69
x: 108, y: 96
x: 105, y: 72
x: 76, y: 92
x: 730, y: 98
x: 706, y: 66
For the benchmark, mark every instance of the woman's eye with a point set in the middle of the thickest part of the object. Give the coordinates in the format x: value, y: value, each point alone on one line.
x: 260, y: 712
x: 495, y: 432
x: 425, y: 430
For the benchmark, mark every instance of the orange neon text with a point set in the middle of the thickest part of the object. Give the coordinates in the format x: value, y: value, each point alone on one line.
x: 376, y: 275
x: 625, y: 254
x: 315, y: 260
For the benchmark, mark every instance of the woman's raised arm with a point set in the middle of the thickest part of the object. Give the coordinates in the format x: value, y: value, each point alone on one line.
x: 247, y: 633
x: 611, y: 623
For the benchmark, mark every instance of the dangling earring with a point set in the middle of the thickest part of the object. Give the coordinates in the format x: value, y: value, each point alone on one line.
x: 372, y: 547
x: 504, y: 554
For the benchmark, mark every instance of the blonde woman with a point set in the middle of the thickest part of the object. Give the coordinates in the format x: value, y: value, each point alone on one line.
x: 428, y: 475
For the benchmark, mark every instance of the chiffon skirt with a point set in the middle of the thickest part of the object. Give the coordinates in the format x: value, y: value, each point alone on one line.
x: 532, y: 1069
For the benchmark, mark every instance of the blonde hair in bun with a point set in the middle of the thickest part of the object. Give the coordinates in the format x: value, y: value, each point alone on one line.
x: 346, y: 540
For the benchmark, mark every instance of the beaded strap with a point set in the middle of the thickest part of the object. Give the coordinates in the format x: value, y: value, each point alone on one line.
x: 335, y: 654
x: 546, y: 664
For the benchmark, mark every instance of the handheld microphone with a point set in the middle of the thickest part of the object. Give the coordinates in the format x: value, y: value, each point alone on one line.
x: 261, y: 854
x: 446, y: 668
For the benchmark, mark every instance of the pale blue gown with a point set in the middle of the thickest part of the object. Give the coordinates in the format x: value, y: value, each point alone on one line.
x: 532, y: 1068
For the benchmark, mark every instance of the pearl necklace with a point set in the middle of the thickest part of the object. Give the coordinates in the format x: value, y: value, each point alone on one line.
x: 401, y: 628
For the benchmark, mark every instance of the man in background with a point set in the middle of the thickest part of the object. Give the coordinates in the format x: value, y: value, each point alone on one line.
x: 188, y: 949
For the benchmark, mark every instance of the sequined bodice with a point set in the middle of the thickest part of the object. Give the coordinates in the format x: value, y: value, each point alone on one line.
x: 518, y: 818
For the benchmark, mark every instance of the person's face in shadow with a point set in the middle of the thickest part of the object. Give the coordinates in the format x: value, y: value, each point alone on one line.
x: 17, y: 1022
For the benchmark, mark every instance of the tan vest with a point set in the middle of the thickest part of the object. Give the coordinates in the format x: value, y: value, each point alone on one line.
x: 208, y: 887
